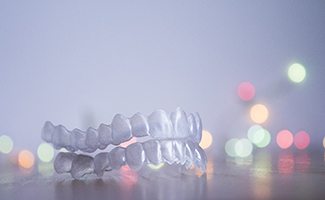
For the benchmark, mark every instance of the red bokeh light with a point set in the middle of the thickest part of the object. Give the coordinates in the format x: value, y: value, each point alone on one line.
x: 284, y: 139
x: 246, y: 91
x: 302, y: 140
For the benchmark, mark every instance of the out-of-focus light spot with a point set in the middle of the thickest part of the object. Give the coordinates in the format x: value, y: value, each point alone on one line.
x: 6, y: 144
x: 259, y: 113
x: 246, y: 91
x: 253, y: 134
x: 155, y: 167
x: 286, y: 163
x: 296, y: 73
x: 210, y: 169
x: 230, y: 147
x: 284, y: 139
x: 301, y: 140
x: 45, y: 152
x: 206, y: 140
x: 324, y: 142
x: 127, y: 143
x: 259, y: 136
x: 243, y: 148
x: 266, y: 138
x: 25, y: 159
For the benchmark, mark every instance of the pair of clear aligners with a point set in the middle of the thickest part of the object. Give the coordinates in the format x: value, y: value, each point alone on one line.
x: 172, y: 140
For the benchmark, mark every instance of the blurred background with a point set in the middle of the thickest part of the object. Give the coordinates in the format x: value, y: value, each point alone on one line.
x: 253, y: 70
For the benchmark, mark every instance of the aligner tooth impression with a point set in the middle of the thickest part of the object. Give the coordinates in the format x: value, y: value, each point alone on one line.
x: 171, y: 139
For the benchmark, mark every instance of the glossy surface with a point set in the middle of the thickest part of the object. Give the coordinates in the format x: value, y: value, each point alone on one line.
x: 282, y: 175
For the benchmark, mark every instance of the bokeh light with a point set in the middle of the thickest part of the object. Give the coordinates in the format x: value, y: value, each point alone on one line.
x: 45, y: 152
x: 230, y: 147
x: 243, y: 148
x: 259, y: 113
x: 296, y: 73
x: 266, y: 138
x: 253, y: 134
x: 324, y: 142
x: 302, y: 140
x: 6, y: 144
x: 26, y: 159
x: 246, y: 91
x: 206, y: 140
x: 284, y: 139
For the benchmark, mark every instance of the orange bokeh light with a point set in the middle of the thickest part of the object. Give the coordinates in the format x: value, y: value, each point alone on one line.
x: 284, y: 139
x: 26, y: 159
x: 206, y: 140
x: 259, y: 113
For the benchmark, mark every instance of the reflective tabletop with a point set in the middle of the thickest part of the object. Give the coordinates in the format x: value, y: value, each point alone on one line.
x: 281, y: 175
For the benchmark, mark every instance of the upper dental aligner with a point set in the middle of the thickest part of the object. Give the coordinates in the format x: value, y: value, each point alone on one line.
x: 158, y: 125
x: 170, y: 151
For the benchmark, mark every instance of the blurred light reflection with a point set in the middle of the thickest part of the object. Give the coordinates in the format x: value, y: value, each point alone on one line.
x: 286, y: 163
x: 127, y: 143
x: 45, y: 169
x: 262, y: 175
x: 156, y: 167
x: 302, y: 162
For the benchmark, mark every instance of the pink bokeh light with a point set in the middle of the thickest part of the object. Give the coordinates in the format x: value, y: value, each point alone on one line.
x: 302, y: 140
x: 246, y: 91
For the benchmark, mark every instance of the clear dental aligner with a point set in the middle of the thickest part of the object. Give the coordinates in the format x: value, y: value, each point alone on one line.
x: 171, y: 139
x: 158, y: 125
x: 181, y: 152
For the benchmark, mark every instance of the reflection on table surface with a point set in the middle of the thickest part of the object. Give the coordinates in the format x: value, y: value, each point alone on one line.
x: 282, y: 175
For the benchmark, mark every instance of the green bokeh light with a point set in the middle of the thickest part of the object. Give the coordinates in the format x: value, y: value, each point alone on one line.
x: 243, y: 148
x: 45, y: 152
x: 266, y: 138
x: 297, y: 73
x: 230, y: 147
x: 259, y: 136
x: 6, y: 144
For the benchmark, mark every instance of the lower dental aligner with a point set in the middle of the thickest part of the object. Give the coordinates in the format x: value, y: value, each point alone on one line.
x: 136, y: 155
x: 168, y: 139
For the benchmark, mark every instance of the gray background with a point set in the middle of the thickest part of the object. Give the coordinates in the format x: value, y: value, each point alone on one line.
x: 78, y: 63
